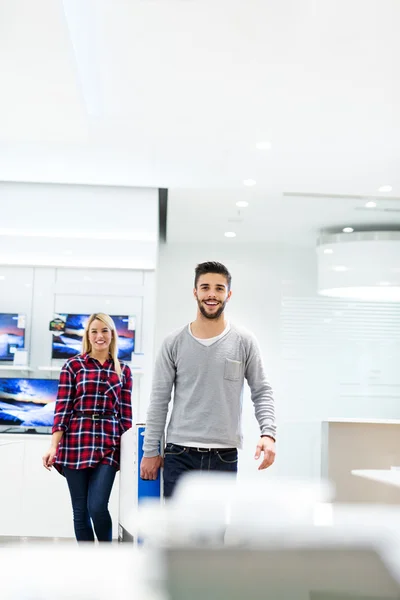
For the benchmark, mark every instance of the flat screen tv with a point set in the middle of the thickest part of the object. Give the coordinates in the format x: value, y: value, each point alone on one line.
x: 12, y: 334
x: 67, y: 342
x: 27, y: 405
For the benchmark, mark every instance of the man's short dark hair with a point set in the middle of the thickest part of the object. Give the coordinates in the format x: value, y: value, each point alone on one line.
x: 212, y: 267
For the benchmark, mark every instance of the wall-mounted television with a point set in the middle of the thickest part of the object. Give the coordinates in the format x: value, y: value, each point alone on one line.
x: 67, y: 340
x: 27, y: 405
x: 12, y: 334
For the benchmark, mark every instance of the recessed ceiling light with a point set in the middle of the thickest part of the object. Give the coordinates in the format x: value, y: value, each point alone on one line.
x: 340, y: 268
x: 230, y: 234
x: 370, y: 204
x: 242, y: 204
x: 2, y: 277
x: 385, y: 188
x: 249, y: 182
x: 348, y: 230
x: 328, y: 251
x: 264, y: 146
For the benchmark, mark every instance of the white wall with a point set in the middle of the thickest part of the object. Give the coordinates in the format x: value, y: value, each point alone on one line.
x: 325, y: 357
x: 78, y: 226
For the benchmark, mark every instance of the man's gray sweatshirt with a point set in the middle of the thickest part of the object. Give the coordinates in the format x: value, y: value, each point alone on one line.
x: 208, y: 390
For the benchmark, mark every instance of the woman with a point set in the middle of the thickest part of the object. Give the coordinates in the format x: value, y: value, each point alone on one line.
x: 93, y: 409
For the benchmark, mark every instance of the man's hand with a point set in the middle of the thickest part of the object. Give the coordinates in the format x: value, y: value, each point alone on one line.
x: 149, y: 467
x: 266, y: 445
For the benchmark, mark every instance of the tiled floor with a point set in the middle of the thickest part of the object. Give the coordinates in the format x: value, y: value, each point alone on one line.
x: 6, y: 540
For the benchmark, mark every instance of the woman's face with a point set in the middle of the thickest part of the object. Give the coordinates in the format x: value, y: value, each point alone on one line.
x: 100, y: 336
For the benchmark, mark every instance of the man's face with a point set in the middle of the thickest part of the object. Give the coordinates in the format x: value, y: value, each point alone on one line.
x: 212, y: 294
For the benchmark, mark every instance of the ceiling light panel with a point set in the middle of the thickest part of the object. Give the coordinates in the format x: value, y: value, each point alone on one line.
x: 365, y: 266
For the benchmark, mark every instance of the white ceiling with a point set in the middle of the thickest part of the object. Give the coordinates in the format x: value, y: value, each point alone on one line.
x: 201, y: 215
x: 176, y: 93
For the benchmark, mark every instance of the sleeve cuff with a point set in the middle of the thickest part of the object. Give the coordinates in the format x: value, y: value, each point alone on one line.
x: 151, y: 454
x: 56, y: 428
x: 270, y: 434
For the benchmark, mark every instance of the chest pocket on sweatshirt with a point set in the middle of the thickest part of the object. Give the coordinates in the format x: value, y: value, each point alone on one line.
x: 233, y: 369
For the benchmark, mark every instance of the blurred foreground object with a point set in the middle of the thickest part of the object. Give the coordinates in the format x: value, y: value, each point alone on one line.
x: 65, y: 571
x: 263, y: 538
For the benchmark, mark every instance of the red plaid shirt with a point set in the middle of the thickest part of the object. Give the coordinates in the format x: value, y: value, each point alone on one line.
x: 86, y: 385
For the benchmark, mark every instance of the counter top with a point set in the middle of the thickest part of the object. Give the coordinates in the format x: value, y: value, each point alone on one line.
x: 372, y: 421
x: 389, y: 476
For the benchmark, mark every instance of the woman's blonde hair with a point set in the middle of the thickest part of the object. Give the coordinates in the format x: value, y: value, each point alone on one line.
x: 107, y: 320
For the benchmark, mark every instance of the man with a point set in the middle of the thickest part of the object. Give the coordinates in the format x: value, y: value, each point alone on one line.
x: 206, y: 363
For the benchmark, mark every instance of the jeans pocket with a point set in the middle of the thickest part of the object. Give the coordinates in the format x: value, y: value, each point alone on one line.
x: 229, y: 456
x: 174, y: 449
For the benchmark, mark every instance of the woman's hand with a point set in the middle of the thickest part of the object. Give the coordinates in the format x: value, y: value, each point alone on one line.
x: 49, y: 458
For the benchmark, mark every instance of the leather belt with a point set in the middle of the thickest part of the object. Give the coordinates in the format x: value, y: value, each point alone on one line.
x: 202, y: 450
x: 95, y: 416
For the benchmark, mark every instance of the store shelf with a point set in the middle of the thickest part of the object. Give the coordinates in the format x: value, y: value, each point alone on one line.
x: 15, y: 368
x: 135, y: 370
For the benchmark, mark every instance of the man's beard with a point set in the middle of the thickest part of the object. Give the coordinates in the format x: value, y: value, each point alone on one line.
x: 214, y: 315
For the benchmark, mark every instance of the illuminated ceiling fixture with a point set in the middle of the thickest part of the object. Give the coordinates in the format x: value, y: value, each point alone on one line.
x: 385, y: 188
x: 242, y: 204
x: 230, y: 234
x: 370, y: 204
x: 348, y: 230
x: 372, y: 266
x: 249, y: 182
x: 264, y: 146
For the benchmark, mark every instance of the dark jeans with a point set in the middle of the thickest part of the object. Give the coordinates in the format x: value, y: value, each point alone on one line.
x: 179, y: 460
x: 90, y: 491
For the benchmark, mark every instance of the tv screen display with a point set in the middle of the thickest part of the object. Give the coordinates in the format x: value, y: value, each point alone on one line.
x: 12, y: 334
x: 68, y: 335
x: 27, y: 405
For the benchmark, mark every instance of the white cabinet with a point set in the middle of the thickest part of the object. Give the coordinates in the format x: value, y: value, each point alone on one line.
x: 34, y: 501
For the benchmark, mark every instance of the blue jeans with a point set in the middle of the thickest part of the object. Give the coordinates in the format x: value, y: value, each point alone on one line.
x: 179, y: 460
x: 90, y: 491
